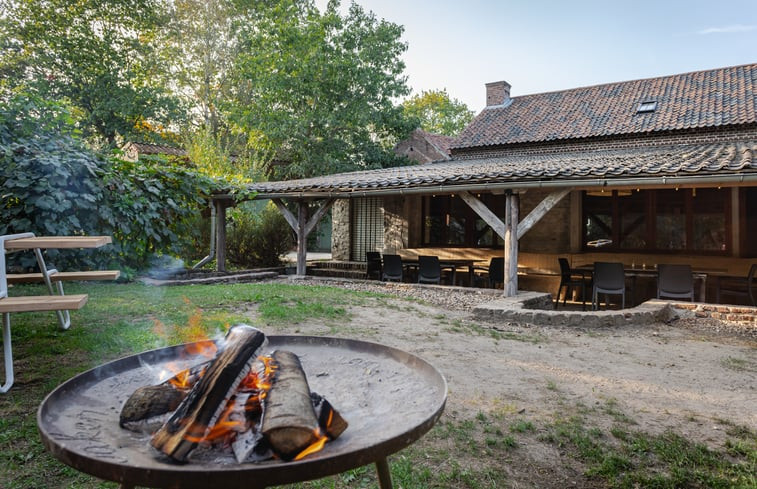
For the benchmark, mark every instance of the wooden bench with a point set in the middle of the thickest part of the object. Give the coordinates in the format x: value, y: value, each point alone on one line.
x: 30, y: 303
x: 55, y: 276
x: 34, y: 303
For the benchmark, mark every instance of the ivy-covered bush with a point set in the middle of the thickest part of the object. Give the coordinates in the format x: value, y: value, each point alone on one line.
x: 258, y: 236
x: 52, y: 184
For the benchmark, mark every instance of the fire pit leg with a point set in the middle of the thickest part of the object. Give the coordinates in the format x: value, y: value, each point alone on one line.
x: 384, y: 476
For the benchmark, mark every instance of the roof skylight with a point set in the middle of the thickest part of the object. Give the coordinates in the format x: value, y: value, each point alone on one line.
x: 646, y: 106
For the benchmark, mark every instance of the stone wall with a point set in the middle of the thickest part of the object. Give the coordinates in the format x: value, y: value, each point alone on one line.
x: 552, y: 233
x: 340, y: 230
x: 395, y: 225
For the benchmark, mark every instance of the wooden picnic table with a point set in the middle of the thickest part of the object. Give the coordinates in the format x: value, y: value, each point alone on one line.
x: 56, y: 300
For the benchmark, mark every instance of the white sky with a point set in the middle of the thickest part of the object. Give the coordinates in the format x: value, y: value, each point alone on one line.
x: 546, y: 45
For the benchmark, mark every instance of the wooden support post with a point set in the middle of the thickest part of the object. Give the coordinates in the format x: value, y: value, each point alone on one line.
x: 302, y: 237
x: 511, y: 244
x: 220, y: 236
x: 302, y: 226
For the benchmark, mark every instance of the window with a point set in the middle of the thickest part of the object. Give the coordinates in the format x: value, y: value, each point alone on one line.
x: 449, y: 221
x: 694, y: 220
x: 646, y: 106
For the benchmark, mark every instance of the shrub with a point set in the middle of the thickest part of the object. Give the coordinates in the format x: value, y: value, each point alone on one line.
x: 52, y: 184
x: 258, y: 237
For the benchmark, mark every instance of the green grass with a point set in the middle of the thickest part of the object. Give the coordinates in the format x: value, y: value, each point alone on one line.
x: 630, y: 459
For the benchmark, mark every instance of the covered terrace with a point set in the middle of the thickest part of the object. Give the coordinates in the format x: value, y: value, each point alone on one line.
x: 726, y: 166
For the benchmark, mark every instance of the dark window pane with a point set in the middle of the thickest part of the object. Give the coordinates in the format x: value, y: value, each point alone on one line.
x: 456, y: 220
x: 632, y: 207
x: 708, y: 228
x: 670, y: 220
x: 433, y: 221
x: 598, y: 219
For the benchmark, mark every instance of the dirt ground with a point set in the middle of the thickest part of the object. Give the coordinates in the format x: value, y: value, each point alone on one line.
x: 685, y: 376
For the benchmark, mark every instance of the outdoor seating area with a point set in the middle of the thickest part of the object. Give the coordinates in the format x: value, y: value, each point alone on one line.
x: 56, y: 300
x: 429, y: 269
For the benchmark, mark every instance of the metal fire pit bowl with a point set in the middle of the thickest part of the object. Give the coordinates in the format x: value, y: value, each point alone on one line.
x: 390, y: 398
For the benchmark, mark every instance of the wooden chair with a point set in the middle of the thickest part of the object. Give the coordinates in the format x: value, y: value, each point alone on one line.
x: 740, y: 286
x: 676, y: 281
x: 569, y: 279
x: 609, y: 278
x: 392, y: 268
x: 373, y: 265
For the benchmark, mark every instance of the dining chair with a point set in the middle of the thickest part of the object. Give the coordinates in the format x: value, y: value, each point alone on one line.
x: 392, y: 268
x: 740, y: 286
x: 570, y: 278
x: 495, y: 272
x: 609, y: 278
x: 429, y: 270
x: 676, y: 281
x: 373, y: 264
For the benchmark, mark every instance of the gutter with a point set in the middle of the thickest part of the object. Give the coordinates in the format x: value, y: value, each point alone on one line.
x: 729, y: 180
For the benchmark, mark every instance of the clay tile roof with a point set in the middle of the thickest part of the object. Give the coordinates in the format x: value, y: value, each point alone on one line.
x: 685, y: 159
x: 440, y: 141
x: 710, y: 98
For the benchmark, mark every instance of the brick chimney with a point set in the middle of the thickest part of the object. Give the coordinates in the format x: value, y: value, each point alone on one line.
x: 497, y: 93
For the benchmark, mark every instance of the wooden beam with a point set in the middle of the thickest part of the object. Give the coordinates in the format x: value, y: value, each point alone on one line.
x: 302, y: 238
x: 511, y: 244
x: 484, y: 213
x: 220, y: 236
x: 30, y: 303
x: 540, y: 211
x: 313, y: 222
x: 290, y: 218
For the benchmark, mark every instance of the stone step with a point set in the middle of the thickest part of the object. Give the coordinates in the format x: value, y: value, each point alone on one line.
x: 336, y: 272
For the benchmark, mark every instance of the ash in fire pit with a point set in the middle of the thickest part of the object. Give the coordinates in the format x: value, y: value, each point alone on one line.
x: 257, y: 406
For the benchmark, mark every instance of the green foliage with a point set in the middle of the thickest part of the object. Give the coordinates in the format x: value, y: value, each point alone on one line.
x: 53, y: 185
x: 100, y: 56
x: 437, y: 113
x: 323, y: 98
x: 258, y: 239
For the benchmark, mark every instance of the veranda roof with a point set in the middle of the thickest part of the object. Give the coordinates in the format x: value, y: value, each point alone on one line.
x: 726, y: 163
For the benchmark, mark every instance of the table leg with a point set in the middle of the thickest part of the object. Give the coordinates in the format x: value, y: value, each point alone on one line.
x: 384, y: 476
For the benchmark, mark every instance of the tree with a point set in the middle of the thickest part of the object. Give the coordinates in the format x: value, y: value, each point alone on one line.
x: 318, y: 88
x: 98, y: 55
x: 438, y: 113
x: 200, y: 43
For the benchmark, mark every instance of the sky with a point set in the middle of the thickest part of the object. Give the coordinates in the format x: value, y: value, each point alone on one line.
x: 547, y: 45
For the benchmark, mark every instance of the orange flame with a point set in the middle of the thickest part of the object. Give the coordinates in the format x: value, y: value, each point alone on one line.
x: 180, y: 380
x: 316, y: 446
x: 258, y: 381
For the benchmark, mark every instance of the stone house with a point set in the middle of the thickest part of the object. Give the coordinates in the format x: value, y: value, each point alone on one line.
x: 658, y: 170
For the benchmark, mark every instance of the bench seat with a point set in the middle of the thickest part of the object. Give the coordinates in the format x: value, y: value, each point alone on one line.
x: 24, y: 278
x: 31, y: 303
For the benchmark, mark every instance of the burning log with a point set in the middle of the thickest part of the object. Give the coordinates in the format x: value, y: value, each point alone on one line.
x: 289, y: 421
x: 146, y: 404
x: 331, y: 422
x: 206, y: 401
